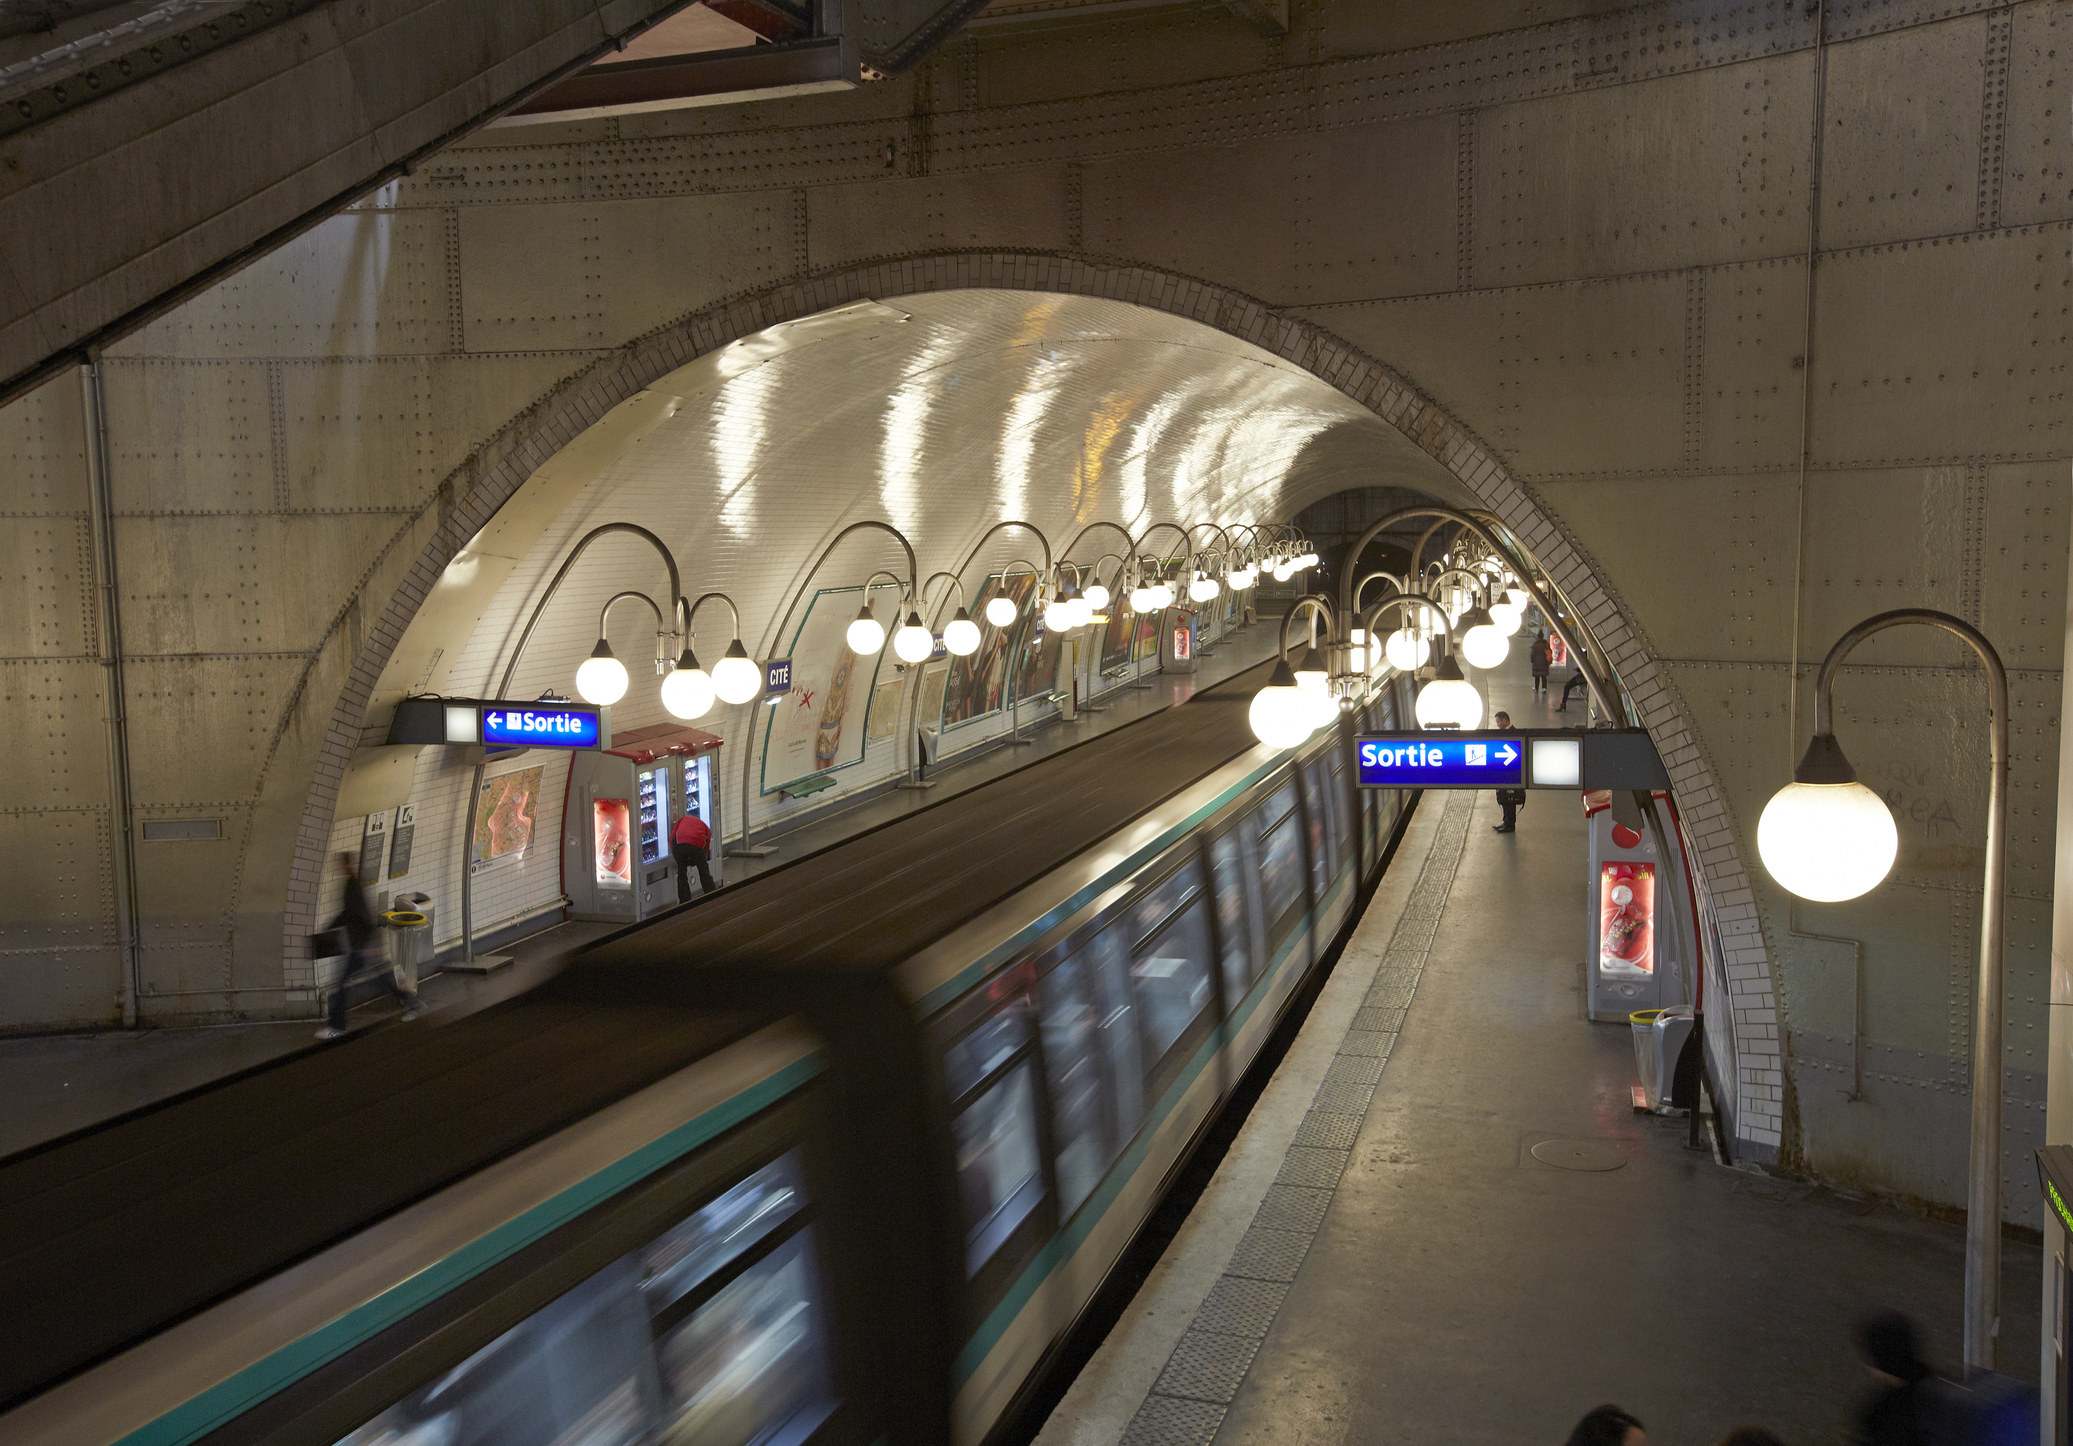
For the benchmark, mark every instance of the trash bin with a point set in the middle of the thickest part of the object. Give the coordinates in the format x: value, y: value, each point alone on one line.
x: 1659, y: 1037
x: 407, y: 938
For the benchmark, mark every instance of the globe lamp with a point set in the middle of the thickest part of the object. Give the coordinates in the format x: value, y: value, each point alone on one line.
x: 1202, y: 587
x: 961, y: 634
x: 601, y: 678
x: 1140, y: 600
x: 687, y: 690
x: 1000, y: 611
x: 1357, y: 657
x: 1057, y: 616
x: 1406, y: 651
x: 1449, y: 700
x: 1508, y: 618
x: 866, y: 635
x: 736, y: 678
x: 913, y: 642
x: 1314, y: 682
x: 1097, y: 597
x: 1483, y: 643
x: 1279, y: 716
x: 1082, y: 610
x: 1825, y: 836
x: 1517, y: 597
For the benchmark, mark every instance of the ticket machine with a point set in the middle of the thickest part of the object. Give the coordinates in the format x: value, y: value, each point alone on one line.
x: 622, y: 803
x: 1640, y: 943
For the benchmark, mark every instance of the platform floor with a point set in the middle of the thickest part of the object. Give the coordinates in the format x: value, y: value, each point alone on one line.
x: 1381, y: 1258
x: 51, y: 1085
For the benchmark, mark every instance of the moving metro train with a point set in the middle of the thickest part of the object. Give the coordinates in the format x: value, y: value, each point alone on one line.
x: 839, y: 1154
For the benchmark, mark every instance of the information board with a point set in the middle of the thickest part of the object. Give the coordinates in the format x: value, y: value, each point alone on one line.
x: 1442, y: 760
x: 538, y: 725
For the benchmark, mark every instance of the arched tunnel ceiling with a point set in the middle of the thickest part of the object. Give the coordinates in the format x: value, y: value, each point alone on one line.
x: 942, y: 414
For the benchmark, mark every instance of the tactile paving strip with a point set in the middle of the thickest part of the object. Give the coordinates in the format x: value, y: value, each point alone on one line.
x: 1187, y: 1403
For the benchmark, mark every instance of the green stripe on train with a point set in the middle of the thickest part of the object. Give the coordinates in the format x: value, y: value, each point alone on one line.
x: 230, y: 1398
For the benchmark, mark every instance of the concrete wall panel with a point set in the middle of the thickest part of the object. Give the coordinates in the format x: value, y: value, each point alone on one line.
x: 200, y: 726
x: 1747, y: 366
x: 1901, y: 155
x: 1000, y: 65
x: 587, y: 276
x: 846, y: 224
x: 1685, y: 171
x: 51, y: 709
x: 46, y: 571
x: 190, y: 437
x: 2034, y: 168
x: 1151, y: 211
x: 2023, y: 517
x: 1946, y: 348
x: 1727, y: 598
x: 43, y: 451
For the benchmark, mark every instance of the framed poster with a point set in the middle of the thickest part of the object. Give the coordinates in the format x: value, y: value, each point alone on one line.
x: 1128, y: 635
x: 976, y: 686
x: 885, y: 708
x: 504, y: 817
x: 819, y: 725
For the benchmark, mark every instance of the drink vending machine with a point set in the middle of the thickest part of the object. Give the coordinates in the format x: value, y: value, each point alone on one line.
x: 1642, y: 943
x: 622, y: 803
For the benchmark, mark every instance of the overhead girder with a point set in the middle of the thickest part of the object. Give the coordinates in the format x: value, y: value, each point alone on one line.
x: 142, y: 163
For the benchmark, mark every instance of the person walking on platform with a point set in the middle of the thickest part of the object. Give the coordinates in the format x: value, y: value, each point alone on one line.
x: 1538, y: 656
x: 1508, y: 799
x: 356, y: 928
x: 690, y: 842
x: 1608, y: 1426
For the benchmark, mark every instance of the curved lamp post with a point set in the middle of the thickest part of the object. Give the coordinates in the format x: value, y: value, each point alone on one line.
x: 676, y: 599
x: 1827, y: 837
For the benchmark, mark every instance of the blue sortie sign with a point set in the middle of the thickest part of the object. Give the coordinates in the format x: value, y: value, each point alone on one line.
x: 538, y: 725
x: 1439, y: 760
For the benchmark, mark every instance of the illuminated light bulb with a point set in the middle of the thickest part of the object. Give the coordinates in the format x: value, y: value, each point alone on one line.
x: 1315, y: 686
x: 1082, y: 610
x: 1825, y: 836
x: 1517, y: 597
x: 1000, y: 611
x: 1357, y: 658
x: 1140, y: 600
x: 1098, y: 597
x: 1279, y: 716
x: 1508, y: 618
x: 1485, y: 646
x: 913, y: 642
x: 1202, y: 588
x: 601, y: 678
x: 1282, y: 571
x: 866, y: 635
x: 736, y: 678
x: 687, y: 689
x: 1406, y: 651
x: 961, y: 634
x: 1057, y: 616
x: 1449, y: 700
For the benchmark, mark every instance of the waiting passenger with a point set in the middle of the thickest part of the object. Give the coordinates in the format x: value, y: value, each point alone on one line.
x: 1901, y: 1411
x: 1508, y: 799
x: 1608, y: 1426
x: 691, y: 843
x: 1538, y: 656
x: 361, y: 934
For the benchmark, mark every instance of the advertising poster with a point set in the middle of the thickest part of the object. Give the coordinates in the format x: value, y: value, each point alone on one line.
x: 978, y: 685
x: 819, y: 725
x: 885, y: 708
x: 1626, y: 920
x: 504, y: 818
x: 1128, y: 635
x: 1040, y: 654
x: 610, y: 820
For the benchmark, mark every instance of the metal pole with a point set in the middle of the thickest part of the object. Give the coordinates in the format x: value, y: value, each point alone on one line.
x: 108, y: 619
x: 1983, y: 1192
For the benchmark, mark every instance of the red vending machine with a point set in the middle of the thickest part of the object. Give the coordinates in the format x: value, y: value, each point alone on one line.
x: 1639, y: 943
x: 622, y: 802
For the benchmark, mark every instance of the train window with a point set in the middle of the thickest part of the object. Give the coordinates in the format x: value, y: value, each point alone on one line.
x: 999, y: 1166
x: 1345, y: 816
x: 1170, y: 964
x: 1233, y: 918
x: 1080, y: 1123
x: 1281, y: 857
x: 713, y: 1332
x: 1320, y: 829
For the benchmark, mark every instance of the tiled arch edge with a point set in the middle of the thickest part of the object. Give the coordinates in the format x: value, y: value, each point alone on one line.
x: 476, y: 489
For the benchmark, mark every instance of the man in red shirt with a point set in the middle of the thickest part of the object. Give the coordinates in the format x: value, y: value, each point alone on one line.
x: 689, y: 841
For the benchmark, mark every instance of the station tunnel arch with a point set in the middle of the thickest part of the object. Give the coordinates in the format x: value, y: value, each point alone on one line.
x: 1059, y: 390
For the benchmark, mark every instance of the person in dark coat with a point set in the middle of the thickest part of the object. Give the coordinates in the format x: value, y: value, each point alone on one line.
x: 362, y: 933
x: 690, y: 843
x: 1900, y: 1410
x: 1538, y: 656
x: 1608, y: 1426
x: 1508, y: 799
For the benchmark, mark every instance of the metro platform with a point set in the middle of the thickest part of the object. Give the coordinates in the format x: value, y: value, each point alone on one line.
x: 1380, y: 1256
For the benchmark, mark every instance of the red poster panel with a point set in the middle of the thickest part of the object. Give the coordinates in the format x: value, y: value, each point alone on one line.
x: 611, y: 838
x: 1184, y: 642
x: 1627, y: 920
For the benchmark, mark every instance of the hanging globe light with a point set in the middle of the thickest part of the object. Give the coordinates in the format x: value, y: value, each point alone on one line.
x: 1314, y: 682
x: 1517, y: 597
x: 736, y: 678
x: 1057, y: 616
x: 1483, y: 643
x: 1825, y: 836
x: 1082, y: 610
x: 1097, y: 597
x: 866, y: 634
x: 1508, y: 618
x: 913, y: 642
x: 1000, y: 610
x: 961, y: 634
x: 1357, y: 654
x: 1449, y: 700
x: 1278, y: 714
x: 1140, y: 600
x: 601, y: 678
x: 687, y: 690
x: 1202, y: 588
x: 1406, y: 651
